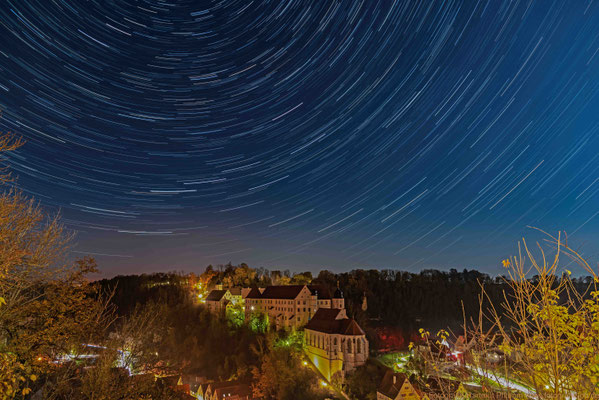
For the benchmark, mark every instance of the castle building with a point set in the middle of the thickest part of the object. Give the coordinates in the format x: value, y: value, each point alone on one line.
x: 217, y: 301
x: 334, y: 343
x: 291, y: 307
x: 238, y: 295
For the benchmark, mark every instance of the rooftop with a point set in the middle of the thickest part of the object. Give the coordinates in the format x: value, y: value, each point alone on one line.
x: 282, y: 292
x: 391, y: 383
x: 216, y: 295
x: 332, y: 321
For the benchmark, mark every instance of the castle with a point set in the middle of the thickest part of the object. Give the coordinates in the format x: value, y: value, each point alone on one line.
x: 334, y: 343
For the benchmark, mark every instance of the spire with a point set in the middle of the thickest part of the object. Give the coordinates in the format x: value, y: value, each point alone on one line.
x: 338, y: 293
x: 364, y: 302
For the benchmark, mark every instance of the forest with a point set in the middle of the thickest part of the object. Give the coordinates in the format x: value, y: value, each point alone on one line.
x: 398, y: 303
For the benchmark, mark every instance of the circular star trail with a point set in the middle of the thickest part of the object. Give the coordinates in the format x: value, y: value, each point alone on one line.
x: 304, y: 134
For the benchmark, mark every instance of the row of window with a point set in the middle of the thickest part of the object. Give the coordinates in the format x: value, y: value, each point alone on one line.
x: 323, y: 342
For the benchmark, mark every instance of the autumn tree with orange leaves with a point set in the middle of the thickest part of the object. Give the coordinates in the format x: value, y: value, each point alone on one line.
x: 45, y: 303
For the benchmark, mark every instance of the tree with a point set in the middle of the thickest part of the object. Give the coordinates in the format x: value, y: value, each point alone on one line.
x: 282, y: 376
x: 549, y: 325
x: 545, y: 330
x: 8, y: 142
x: 304, y: 278
x: 46, y: 307
x: 362, y: 383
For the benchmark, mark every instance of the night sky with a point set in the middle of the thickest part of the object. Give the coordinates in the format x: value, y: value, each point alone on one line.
x: 305, y: 134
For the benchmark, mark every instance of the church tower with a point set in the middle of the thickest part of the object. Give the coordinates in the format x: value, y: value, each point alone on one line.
x: 338, y: 300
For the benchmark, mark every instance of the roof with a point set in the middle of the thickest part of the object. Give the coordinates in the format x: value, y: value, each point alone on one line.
x: 323, y: 292
x: 231, y: 389
x: 282, y: 292
x: 327, y: 314
x: 338, y: 294
x: 326, y: 320
x: 387, y: 387
x: 216, y: 295
x: 254, y: 294
x: 169, y: 381
x: 236, y: 291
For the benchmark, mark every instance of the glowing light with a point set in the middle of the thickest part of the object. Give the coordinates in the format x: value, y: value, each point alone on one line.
x: 324, y: 384
x: 305, y: 363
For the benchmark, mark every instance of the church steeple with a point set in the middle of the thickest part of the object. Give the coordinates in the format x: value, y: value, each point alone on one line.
x: 338, y: 293
x: 338, y: 301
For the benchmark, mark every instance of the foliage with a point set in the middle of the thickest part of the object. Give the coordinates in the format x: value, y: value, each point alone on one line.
x: 542, y: 337
x: 258, y: 322
x: 14, y: 377
x: 45, y: 304
x: 235, y: 315
x: 129, y: 291
x: 549, y: 324
x: 362, y: 383
x: 293, y: 340
x: 103, y: 381
x: 282, y: 376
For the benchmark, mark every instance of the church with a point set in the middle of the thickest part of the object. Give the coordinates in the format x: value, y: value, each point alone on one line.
x: 335, y: 343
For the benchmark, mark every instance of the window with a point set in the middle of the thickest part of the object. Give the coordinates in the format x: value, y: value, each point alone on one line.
x: 349, y: 346
x: 359, y: 347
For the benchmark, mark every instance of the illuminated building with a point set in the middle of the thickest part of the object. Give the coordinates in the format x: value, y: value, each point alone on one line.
x: 218, y: 300
x: 334, y: 343
x: 396, y: 386
x: 291, y: 306
x: 229, y: 390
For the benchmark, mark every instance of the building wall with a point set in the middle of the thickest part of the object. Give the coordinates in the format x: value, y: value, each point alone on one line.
x: 406, y: 392
x: 380, y: 396
x: 339, y: 303
x: 332, y: 353
x: 285, y: 313
x: 327, y: 363
x: 291, y: 313
x: 218, y: 307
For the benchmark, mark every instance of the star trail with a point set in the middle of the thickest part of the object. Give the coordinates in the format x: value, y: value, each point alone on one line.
x: 305, y: 134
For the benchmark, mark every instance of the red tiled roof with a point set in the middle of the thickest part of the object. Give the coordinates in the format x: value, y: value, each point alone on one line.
x: 282, y: 292
x: 348, y: 326
x: 327, y: 314
x: 216, y: 295
x: 322, y: 291
x: 233, y: 390
x: 325, y: 320
x: 387, y: 387
x: 254, y: 294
